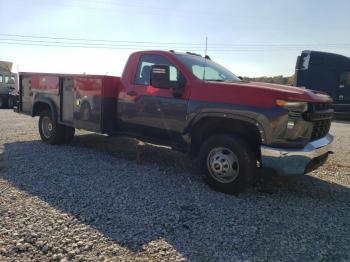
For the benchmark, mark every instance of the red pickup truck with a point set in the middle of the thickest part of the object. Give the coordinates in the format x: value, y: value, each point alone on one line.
x: 194, y: 105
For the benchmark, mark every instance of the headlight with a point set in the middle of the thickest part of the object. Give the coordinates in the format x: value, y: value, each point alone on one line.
x: 292, y: 105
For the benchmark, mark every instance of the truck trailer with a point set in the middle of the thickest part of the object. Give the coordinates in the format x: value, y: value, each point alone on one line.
x: 231, y: 128
x: 328, y: 73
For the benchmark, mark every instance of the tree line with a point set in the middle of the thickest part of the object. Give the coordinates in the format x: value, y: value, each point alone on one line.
x: 280, y: 79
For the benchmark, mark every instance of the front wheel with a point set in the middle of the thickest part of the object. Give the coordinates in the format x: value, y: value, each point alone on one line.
x: 227, y: 162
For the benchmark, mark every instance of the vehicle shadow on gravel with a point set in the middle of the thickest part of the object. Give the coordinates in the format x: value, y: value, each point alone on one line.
x: 133, y: 150
x: 342, y: 119
x: 98, y: 180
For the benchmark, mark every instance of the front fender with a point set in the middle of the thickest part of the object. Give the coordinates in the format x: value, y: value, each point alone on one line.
x: 267, y: 120
x: 230, y: 116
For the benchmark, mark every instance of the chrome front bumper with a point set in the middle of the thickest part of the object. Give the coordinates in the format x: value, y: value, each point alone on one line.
x: 290, y: 162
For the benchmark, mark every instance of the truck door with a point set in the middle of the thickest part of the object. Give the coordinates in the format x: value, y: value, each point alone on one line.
x: 149, y: 111
x: 67, y: 103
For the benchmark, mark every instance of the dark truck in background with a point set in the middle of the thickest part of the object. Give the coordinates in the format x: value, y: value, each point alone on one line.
x: 192, y: 104
x: 326, y: 72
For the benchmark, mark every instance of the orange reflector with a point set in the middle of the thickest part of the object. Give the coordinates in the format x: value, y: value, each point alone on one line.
x: 280, y: 102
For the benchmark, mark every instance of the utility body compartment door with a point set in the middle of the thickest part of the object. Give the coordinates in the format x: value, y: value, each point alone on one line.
x: 82, y: 101
x: 26, y: 94
x: 88, y: 103
x: 68, y: 99
x: 37, y: 87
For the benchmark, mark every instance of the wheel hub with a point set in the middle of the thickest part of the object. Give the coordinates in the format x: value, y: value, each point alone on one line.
x: 220, y: 164
x: 223, y: 164
x: 46, y: 127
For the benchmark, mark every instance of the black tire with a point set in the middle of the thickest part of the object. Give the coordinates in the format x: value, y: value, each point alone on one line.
x: 69, y: 134
x: 215, y: 156
x: 50, y: 131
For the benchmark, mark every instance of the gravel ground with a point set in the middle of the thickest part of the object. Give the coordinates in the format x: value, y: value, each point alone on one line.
x: 92, y: 201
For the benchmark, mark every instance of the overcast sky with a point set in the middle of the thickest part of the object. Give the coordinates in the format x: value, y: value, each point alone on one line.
x: 251, y: 38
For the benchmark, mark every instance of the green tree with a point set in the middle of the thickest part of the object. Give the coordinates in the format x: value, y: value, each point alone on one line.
x: 279, y: 79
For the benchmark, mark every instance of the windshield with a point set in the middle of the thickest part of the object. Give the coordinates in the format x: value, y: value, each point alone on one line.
x: 206, y: 69
x: 9, y: 79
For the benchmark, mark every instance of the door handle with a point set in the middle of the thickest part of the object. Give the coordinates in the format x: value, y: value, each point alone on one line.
x: 131, y: 93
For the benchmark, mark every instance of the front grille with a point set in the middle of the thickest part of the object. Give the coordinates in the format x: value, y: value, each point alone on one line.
x: 320, y: 129
x: 294, y: 114
x: 319, y: 107
x: 321, y: 116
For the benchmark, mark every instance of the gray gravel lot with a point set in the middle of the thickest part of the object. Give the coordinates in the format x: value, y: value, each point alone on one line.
x: 92, y: 201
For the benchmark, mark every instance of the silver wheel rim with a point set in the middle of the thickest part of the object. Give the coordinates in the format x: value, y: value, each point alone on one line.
x: 223, y: 164
x: 46, y: 127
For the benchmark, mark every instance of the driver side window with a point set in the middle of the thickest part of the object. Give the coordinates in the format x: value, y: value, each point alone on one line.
x: 143, y: 72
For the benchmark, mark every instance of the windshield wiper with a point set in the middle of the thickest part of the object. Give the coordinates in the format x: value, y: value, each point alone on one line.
x: 233, y: 80
x: 215, y: 80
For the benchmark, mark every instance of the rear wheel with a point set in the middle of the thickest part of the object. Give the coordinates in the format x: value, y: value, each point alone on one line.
x: 227, y: 162
x: 50, y: 131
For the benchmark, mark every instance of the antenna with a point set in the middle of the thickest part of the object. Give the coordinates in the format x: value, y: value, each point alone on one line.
x: 205, y: 57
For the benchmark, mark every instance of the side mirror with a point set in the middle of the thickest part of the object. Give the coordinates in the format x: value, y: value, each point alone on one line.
x: 160, y: 76
x: 240, y: 77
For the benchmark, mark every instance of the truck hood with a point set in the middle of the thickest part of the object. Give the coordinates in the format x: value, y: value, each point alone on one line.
x: 292, y: 92
x: 255, y: 93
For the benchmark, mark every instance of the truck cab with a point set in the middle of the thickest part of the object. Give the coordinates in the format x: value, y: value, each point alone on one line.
x: 188, y: 102
x: 326, y: 72
x: 8, y: 85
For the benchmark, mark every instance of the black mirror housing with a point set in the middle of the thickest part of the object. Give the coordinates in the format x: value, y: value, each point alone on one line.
x: 160, y: 76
